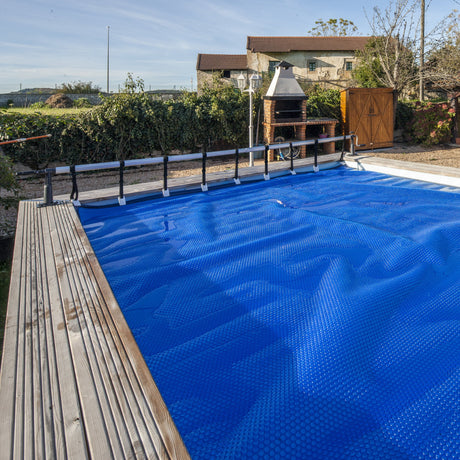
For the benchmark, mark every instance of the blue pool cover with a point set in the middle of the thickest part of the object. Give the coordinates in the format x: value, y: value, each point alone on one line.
x: 307, y: 317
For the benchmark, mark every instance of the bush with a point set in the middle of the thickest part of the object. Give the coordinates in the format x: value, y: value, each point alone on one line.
x: 35, y: 154
x: 324, y: 103
x: 404, y: 114
x: 431, y: 124
x: 39, y: 105
x: 7, y: 176
x: 9, y: 184
x: 131, y: 124
x: 82, y: 103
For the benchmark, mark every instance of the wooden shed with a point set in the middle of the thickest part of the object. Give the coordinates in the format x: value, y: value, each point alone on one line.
x: 368, y: 112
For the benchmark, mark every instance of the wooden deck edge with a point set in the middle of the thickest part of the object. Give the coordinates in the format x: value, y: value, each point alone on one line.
x: 8, y: 370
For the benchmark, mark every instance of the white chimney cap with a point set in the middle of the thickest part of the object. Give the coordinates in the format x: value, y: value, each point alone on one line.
x: 284, y: 84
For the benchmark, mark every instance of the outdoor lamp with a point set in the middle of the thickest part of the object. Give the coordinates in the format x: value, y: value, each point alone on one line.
x: 241, y: 79
x: 255, y: 82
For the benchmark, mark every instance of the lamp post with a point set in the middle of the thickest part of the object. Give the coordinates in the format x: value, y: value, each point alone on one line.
x: 108, y: 40
x: 254, y: 84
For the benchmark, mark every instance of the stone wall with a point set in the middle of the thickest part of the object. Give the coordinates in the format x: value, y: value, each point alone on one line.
x: 25, y: 100
x: 330, y: 67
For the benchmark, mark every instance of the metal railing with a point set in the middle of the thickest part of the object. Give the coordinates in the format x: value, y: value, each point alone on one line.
x: 166, y: 159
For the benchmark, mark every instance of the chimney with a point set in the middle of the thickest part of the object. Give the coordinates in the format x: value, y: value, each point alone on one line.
x: 284, y: 85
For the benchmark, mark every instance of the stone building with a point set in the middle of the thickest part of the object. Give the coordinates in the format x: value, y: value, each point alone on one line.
x: 326, y: 60
x: 229, y: 66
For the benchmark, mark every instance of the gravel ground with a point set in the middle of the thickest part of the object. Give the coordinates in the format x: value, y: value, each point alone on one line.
x: 448, y: 155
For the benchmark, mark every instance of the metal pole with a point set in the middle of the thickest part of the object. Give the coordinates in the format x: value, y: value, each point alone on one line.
x: 251, y: 128
x: 48, y: 188
x: 108, y: 39
x: 422, y: 50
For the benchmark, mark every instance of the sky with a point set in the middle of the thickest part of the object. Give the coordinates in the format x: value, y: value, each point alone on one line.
x: 45, y: 43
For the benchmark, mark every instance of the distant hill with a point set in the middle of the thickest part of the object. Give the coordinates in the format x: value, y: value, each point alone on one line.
x: 35, y: 91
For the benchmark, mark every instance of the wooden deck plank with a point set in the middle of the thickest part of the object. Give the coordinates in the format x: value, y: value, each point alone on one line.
x: 21, y: 398
x: 36, y: 435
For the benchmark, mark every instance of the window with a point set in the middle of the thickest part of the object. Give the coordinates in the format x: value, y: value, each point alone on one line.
x: 348, y: 66
x: 226, y: 74
x: 272, y: 65
x: 311, y: 66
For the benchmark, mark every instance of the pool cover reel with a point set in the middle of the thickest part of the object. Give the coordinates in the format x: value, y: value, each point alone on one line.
x: 312, y: 317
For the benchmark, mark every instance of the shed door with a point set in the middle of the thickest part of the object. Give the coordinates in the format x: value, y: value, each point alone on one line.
x: 381, y: 118
x: 371, y: 117
x: 358, y: 113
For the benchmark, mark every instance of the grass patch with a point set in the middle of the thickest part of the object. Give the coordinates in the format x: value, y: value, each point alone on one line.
x: 48, y: 111
x: 5, y: 272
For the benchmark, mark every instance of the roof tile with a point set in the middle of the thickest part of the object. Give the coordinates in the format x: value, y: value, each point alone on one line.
x: 287, y: 44
x: 221, y: 62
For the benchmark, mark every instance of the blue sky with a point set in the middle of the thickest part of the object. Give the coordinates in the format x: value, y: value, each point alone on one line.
x: 45, y: 43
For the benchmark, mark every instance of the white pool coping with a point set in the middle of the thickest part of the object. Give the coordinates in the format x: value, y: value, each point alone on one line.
x: 442, y: 175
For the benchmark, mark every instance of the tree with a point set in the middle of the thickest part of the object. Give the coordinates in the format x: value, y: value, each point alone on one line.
x: 368, y: 72
x: 393, y: 55
x: 333, y: 27
x: 442, y: 68
x: 79, y: 87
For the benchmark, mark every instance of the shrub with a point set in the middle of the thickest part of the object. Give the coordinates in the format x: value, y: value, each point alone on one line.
x: 35, y: 154
x: 9, y: 184
x: 404, y: 115
x: 39, y: 105
x: 432, y: 123
x: 324, y: 103
x: 7, y: 177
x: 82, y: 103
x: 131, y: 124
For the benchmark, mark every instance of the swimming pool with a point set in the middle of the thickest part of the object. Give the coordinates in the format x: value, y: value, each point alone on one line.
x: 312, y: 316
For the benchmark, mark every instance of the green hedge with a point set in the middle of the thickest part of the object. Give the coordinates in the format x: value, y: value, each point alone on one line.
x: 132, y: 124
x: 129, y: 125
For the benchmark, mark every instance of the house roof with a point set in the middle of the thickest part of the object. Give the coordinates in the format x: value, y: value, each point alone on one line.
x: 222, y: 62
x: 287, y: 44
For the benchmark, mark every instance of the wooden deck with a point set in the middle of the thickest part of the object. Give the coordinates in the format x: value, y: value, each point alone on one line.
x: 73, y: 383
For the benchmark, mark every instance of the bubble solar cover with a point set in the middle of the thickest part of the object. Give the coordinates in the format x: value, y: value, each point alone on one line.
x: 307, y: 317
